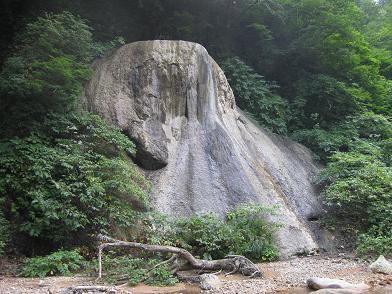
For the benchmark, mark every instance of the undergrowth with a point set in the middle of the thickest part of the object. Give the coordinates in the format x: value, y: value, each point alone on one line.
x: 61, y: 262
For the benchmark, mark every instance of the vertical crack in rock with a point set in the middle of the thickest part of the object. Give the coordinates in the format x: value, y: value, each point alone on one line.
x: 202, y: 153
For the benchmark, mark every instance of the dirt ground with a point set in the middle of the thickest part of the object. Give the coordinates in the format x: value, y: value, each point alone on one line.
x: 286, y: 277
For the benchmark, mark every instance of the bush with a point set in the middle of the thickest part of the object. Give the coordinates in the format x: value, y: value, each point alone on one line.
x: 321, y: 100
x: 161, y: 276
x: 4, y: 230
x: 366, y: 133
x: 48, y: 68
x: 252, y: 236
x: 137, y: 270
x: 61, y: 262
x: 255, y: 95
x: 205, y: 236
x: 375, y: 244
x: 326, y: 142
x: 63, y: 176
x: 72, y: 179
x: 357, y: 182
x: 358, y: 187
x: 373, y: 126
x: 245, y: 232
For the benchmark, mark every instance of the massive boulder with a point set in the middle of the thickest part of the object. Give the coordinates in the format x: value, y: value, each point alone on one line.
x: 201, y: 153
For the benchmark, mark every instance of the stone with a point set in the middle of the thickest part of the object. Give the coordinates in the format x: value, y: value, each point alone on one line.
x: 200, y: 152
x: 382, y: 266
x: 339, y: 291
x: 43, y: 283
x: 325, y: 283
x: 210, y: 282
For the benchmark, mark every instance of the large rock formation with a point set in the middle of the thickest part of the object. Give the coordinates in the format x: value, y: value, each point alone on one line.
x: 201, y: 152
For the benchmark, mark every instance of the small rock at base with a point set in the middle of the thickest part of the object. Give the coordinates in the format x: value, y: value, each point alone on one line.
x: 324, y: 283
x: 338, y: 291
x: 381, y: 265
x: 209, y: 282
x: 42, y: 283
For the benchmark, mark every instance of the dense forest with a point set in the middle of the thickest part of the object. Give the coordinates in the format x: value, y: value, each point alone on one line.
x: 318, y: 71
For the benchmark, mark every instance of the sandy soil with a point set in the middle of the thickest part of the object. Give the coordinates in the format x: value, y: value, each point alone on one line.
x: 279, y: 277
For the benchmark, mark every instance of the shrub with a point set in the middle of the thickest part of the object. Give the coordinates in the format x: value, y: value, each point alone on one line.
x: 47, y: 70
x: 255, y: 95
x: 325, y: 142
x: 61, y: 262
x: 358, y: 187
x: 366, y: 133
x: 373, y: 126
x: 48, y: 67
x: 161, y: 276
x: 205, y: 235
x: 375, y: 244
x: 252, y: 236
x: 72, y: 178
x: 137, y: 270
x: 64, y: 176
x: 245, y: 232
x: 4, y: 230
x: 321, y: 100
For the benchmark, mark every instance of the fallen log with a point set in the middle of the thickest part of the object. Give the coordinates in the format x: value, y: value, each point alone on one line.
x: 83, y: 289
x: 182, y: 259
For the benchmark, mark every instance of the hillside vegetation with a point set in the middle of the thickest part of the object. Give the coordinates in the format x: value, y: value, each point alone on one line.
x: 319, y: 71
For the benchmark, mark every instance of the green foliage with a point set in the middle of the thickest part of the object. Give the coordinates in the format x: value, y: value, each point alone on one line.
x: 47, y: 70
x: 56, y: 35
x: 195, y: 233
x: 331, y: 60
x: 4, y: 229
x: 255, y: 95
x: 367, y: 133
x: 373, y: 126
x: 63, y: 176
x: 137, y: 270
x: 245, y: 232
x: 101, y: 49
x: 375, y: 243
x: 61, y: 262
x: 321, y: 100
x: 252, y: 235
x: 161, y: 276
x: 357, y: 182
x: 358, y: 187
x: 70, y: 178
x: 48, y: 67
x: 324, y: 143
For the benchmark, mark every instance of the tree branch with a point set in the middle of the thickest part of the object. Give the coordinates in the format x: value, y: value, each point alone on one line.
x: 232, y: 263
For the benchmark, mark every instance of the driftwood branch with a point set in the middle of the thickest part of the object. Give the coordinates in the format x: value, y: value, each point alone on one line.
x: 231, y: 263
x: 82, y: 289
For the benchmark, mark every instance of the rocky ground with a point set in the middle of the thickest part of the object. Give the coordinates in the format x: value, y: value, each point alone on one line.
x: 279, y: 277
x: 290, y: 276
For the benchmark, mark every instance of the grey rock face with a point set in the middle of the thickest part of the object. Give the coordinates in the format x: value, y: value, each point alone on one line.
x: 201, y: 153
x: 382, y: 266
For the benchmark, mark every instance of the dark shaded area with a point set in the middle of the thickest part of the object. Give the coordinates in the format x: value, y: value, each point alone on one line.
x: 147, y: 160
x: 313, y: 218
